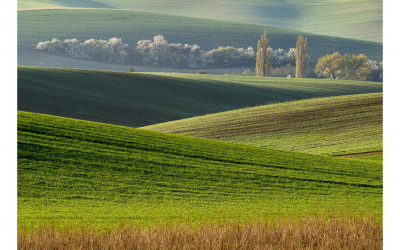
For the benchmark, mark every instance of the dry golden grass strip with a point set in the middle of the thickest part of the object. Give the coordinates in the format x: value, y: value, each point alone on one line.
x: 312, y: 233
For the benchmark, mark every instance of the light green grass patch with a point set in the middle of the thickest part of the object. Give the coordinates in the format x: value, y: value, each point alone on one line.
x: 73, y: 172
x: 357, y: 19
x: 328, y: 126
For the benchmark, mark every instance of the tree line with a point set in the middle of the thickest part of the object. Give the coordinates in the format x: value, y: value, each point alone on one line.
x: 268, y: 62
x: 333, y: 66
x: 160, y: 53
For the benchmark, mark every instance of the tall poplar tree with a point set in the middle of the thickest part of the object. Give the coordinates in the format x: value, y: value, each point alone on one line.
x: 302, y: 63
x: 260, y: 69
x: 263, y: 57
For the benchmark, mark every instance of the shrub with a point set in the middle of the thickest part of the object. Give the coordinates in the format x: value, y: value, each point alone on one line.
x: 336, y: 66
x: 377, y: 71
x: 201, y: 72
x: 230, y: 56
x: 246, y: 72
x: 284, y: 71
x: 161, y: 53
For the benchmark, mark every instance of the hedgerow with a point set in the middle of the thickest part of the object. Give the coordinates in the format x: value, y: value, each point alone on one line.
x: 160, y: 53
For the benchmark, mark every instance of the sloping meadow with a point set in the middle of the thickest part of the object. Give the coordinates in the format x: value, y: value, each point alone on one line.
x: 355, y: 19
x: 139, y: 99
x: 73, y: 172
x: 340, y: 125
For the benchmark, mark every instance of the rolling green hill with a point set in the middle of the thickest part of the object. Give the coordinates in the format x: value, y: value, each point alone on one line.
x: 78, y: 172
x: 329, y: 126
x: 359, y: 19
x: 132, y: 26
x: 136, y: 99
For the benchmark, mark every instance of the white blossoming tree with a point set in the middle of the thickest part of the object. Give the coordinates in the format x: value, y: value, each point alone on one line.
x: 92, y: 49
x: 157, y: 52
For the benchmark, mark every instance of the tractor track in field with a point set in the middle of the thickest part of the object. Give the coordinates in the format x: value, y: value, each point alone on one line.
x: 380, y: 152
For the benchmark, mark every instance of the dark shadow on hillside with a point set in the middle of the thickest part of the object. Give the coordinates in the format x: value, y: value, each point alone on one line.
x: 275, y: 13
x: 83, y: 4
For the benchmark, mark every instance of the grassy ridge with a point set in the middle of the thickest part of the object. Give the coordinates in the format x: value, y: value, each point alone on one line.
x: 359, y: 19
x: 72, y: 171
x: 329, y: 126
x: 135, y: 99
x: 132, y: 26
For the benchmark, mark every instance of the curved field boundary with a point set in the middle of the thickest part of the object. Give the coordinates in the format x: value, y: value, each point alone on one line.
x: 361, y: 154
x: 332, y: 126
x: 137, y: 99
x: 73, y: 171
x: 359, y: 19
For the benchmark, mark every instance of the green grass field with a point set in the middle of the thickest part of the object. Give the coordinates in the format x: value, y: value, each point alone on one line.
x: 137, y: 99
x: 74, y: 172
x: 111, y: 159
x: 329, y: 126
x: 360, y: 19
x: 132, y: 26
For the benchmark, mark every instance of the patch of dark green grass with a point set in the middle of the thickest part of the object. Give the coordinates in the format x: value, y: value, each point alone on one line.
x: 136, y: 99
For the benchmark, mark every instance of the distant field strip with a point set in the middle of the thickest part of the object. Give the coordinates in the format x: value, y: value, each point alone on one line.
x: 329, y: 126
x: 29, y: 57
x: 72, y: 171
x: 132, y: 26
x: 135, y: 99
x: 359, y: 19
